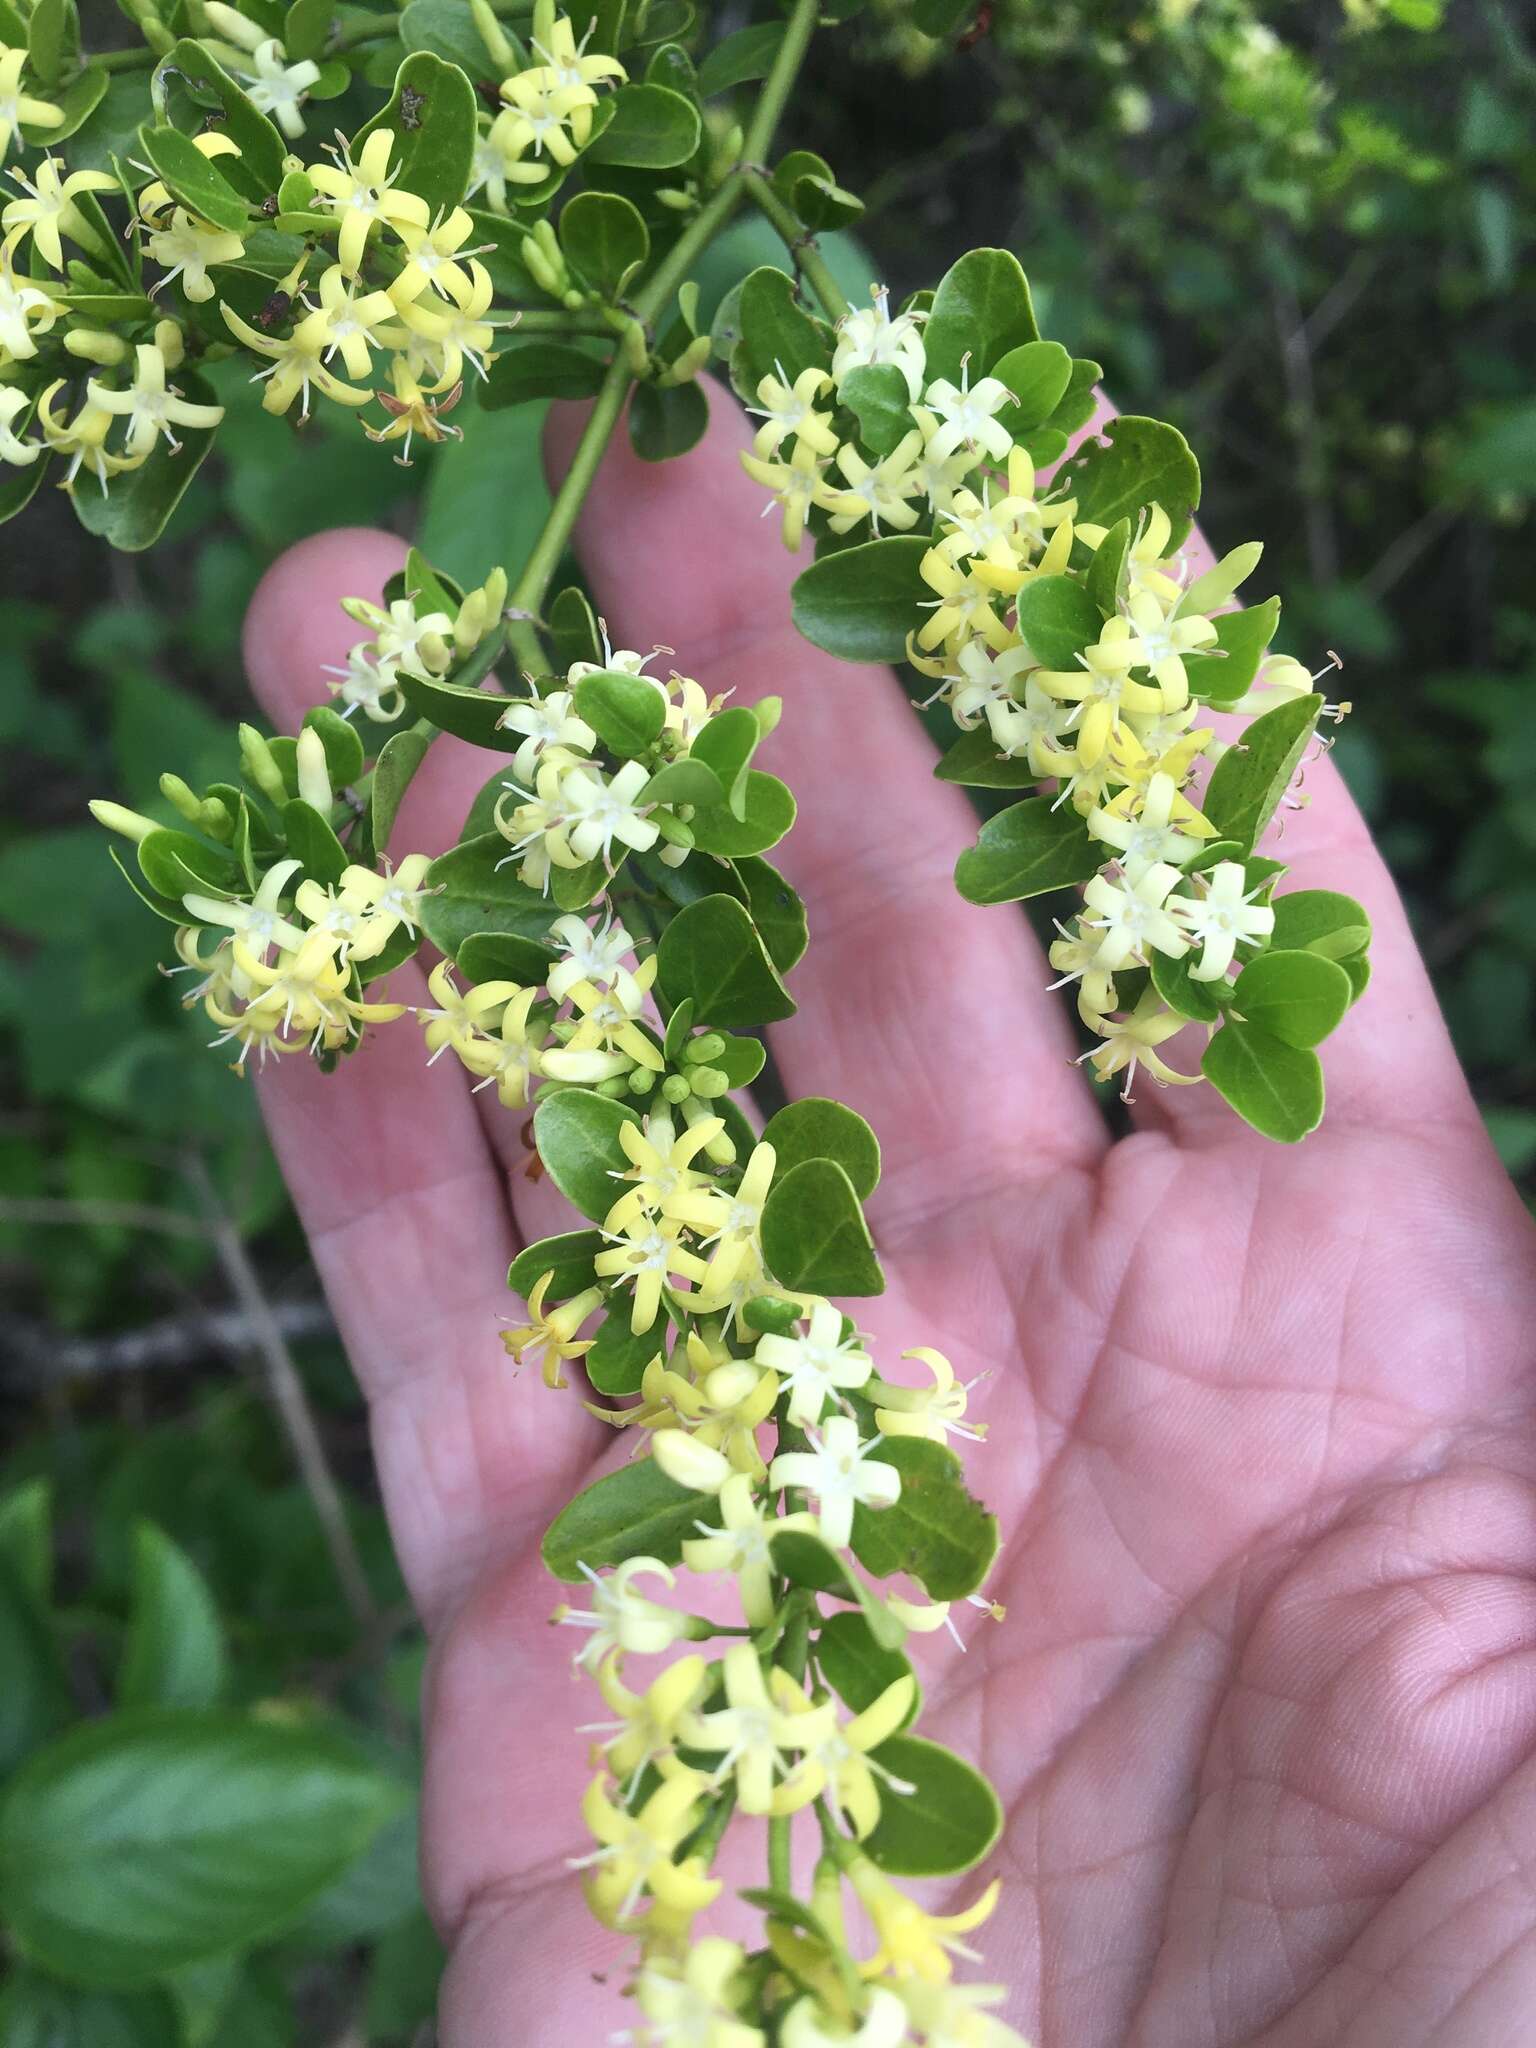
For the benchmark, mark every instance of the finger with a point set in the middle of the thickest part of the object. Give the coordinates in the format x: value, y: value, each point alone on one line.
x: 924, y: 1013
x: 404, y: 1202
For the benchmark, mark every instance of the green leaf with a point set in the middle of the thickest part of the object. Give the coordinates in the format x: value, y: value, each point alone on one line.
x: 1278, y: 1088
x: 174, y: 863
x: 133, y: 513
x: 711, y: 951
x: 684, y: 781
x: 767, y: 813
x: 634, y: 1512
x: 173, y: 1652
x: 1134, y: 463
x: 877, y: 395
x: 806, y: 1560
x: 653, y: 129
x: 667, y: 420
x: 1057, y: 618
x: 1027, y: 850
x: 143, y: 1842
x: 258, y: 170
x: 343, y: 748
x: 1105, y: 578
x: 1321, y: 921
x: 18, y: 487
x: 776, y: 333
x: 432, y: 113
x: 974, y: 762
x: 1242, y: 637
x: 503, y: 956
x: 726, y: 745
x: 34, y: 1699
x: 947, y: 1823
x: 26, y: 1537
x: 1295, y: 996
x: 937, y: 1530
x: 473, y: 715
x: 815, y: 1127
x: 605, y: 237
x: 311, y: 840
x: 746, y: 55
x: 473, y: 898
x: 573, y: 629
x: 814, y: 1234
x: 616, y: 1363
x: 447, y: 28
x: 861, y: 603
x: 399, y: 758
x: 1197, y: 1000
x: 1250, y: 779
x: 76, y: 102
x: 53, y: 40
x: 37, y: 2012
x: 195, y: 180
x: 982, y: 309
x: 1038, y: 375
x: 577, y: 1134
x: 856, y: 1665
x: 776, y: 910
x: 626, y: 712
x: 541, y: 369
x: 566, y: 1258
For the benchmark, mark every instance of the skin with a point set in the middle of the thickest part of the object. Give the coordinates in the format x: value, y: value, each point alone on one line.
x: 1262, y: 1443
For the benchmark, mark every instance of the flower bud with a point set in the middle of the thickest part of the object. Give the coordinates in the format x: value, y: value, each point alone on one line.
x: 615, y: 1087
x: 698, y: 1052
x: 708, y: 1082
x: 260, y: 764
x: 314, y: 773
x: 676, y: 1089
x: 208, y: 814
x: 233, y: 26
x: 131, y: 824
x: 492, y: 34
x: 642, y: 1081
x: 721, y: 1148
x: 683, y: 1458
x: 636, y: 352
x: 94, y: 346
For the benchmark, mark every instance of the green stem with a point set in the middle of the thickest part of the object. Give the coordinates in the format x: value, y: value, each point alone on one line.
x: 780, y: 80
x: 781, y: 1869
x: 800, y: 243
x: 552, y: 320
x: 123, y: 60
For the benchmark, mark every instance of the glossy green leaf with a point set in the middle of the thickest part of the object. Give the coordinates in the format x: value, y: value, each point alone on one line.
x: 1197, y: 1000
x: 1278, y: 1088
x: 806, y: 1560
x: 541, y: 369
x: 857, y: 1666
x: 447, y: 29
x: 815, y: 1127
x: 776, y: 910
x: 577, y: 1135
x: 503, y: 956
x: 311, y: 840
x: 1242, y: 638
x: 399, y: 758
x: 727, y: 745
x: 432, y: 115
x: 53, y: 41
x: 861, y: 603
x: 1321, y: 921
x: 1134, y: 463
x: 466, y: 893
x: 343, y: 747
x: 947, y: 1823
x: 777, y: 333
x: 652, y: 129
x: 626, y: 712
x: 1027, y: 850
x: 606, y: 238
x: 1105, y: 580
x: 469, y: 714
x: 938, y: 1531
x: 567, y: 1259
x: 75, y: 103
x: 634, y: 1512
x: 573, y: 629
x: 740, y: 58
x: 711, y: 951
x: 1057, y: 618
x: 1038, y: 375
x: 974, y: 762
x: 982, y: 309
x: 34, y: 1698
x: 814, y: 1234
x: 195, y: 180
x: 767, y: 813
x: 174, y: 864
x: 1250, y: 779
x: 616, y: 1363
x: 667, y: 420
x: 1296, y: 996
x: 133, y: 513
x: 137, y: 1844
x: 685, y: 781
x: 173, y: 1652
x: 876, y: 394
x: 258, y: 170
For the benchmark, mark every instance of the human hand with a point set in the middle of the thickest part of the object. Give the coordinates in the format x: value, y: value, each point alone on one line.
x: 1260, y: 1446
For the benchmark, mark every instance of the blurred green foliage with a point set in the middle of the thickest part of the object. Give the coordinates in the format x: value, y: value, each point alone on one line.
x: 1305, y: 237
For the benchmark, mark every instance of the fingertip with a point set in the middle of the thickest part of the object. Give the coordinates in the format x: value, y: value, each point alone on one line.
x: 295, y: 627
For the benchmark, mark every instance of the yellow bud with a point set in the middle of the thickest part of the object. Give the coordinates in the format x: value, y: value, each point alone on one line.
x: 94, y: 346
x: 260, y: 764
x: 131, y: 824
x: 314, y: 775
x: 208, y: 814
x: 171, y: 343
x: 499, y: 50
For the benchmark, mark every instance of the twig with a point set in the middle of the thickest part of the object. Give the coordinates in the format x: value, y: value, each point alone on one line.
x: 288, y: 1396
x: 1339, y: 299
x: 121, y: 1215
x: 1306, y: 431
x: 32, y: 1352
x: 1399, y: 557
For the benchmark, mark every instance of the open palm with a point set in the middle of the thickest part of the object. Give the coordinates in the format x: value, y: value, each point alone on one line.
x: 1261, y: 1440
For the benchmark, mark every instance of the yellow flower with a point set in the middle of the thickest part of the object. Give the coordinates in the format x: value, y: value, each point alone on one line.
x: 25, y: 309
x: 298, y: 361
x: 884, y: 2025
x: 351, y: 319
x: 554, y: 42
x: 47, y: 209
x: 18, y: 107
x: 622, y: 1619
x: 689, y: 2002
x: 914, y: 1943
x: 792, y: 484
x: 870, y: 335
x: 735, y: 1235
x: 743, y: 1545
x: 1139, y: 825
x: 553, y: 1331
x: 953, y: 2015
x: 646, y: 1256
x: 754, y: 1733
x: 817, y: 1363
x: 360, y: 192
x: 1129, y: 1042
x: 963, y: 608
x: 967, y: 416
x: 1221, y: 918
x: 432, y: 253
x: 260, y: 922
x: 304, y: 985
x: 876, y: 491
x: 927, y: 1411
x: 151, y: 405
x: 838, y: 1756
x: 637, y: 1852
x: 513, y: 1059
x: 664, y: 1180
x: 1135, y: 917
x: 1102, y: 688
x: 414, y: 411
x: 454, y: 326
x: 1146, y: 566
x: 13, y: 449
x: 839, y: 1470
x: 83, y: 439
x: 185, y: 247
x: 460, y: 1016
x: 648, y: 1725
x: 545, y: 116
x: 790, y: 410
x: 1163, y: 638
x: 607, y: 1040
